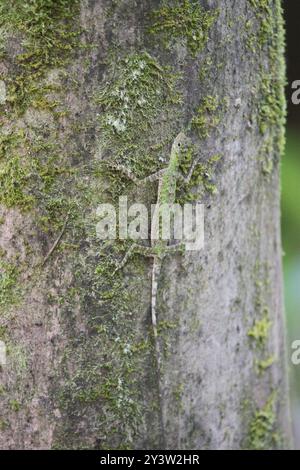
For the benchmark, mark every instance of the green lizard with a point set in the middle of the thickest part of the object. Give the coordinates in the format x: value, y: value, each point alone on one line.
x: 167, y: 182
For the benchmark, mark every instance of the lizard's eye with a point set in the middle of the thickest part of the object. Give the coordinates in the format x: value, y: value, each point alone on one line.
x: 179, y: 144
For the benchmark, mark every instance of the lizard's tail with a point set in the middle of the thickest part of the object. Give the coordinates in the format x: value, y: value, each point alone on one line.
x: 157, y: 263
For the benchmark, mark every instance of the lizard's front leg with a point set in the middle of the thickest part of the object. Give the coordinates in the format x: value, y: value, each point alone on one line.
x: 122, y: 169
x: 187, y: 178
x: 150, y: 252
x: 135, y: 249
x: 128, y: 173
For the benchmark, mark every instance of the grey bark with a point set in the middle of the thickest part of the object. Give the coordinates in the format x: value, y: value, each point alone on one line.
x: 68, y: 382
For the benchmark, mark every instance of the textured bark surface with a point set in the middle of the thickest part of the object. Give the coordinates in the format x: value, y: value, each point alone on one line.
x: 80, y: 369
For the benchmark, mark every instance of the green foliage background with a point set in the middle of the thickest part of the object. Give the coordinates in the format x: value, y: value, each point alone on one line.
x: 291, y: 260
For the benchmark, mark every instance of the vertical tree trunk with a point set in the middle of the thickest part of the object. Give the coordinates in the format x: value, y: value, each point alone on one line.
x: 94, y: 81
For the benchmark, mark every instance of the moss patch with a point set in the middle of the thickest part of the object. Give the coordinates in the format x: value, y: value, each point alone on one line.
x: 263, y: 364
x: 49, y: 37
x: 31, y: 159
x: 206, y: 117
x: 33, y: 173
x: 201, y: 182
x: 185, y: 20
x: 260, y: 330
x: 259, y: 333
x: 131, y: 100
x: 263, y: 12
x: 15, y: 405
x: 272, y: 105
x: 262, y: 434
x: 8, y: 284
x: 108, y: 365
x: 134, y: 97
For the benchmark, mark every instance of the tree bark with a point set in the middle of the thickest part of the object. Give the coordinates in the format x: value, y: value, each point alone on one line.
x: 93, y: 81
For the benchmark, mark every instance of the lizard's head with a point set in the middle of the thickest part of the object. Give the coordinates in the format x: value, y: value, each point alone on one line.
x: 180, y: 143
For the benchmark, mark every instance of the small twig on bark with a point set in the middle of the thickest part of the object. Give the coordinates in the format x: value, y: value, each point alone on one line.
x: 56, y: 241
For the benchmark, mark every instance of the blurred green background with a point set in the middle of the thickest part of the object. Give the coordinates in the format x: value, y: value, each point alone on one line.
x: 291, y: 207
x: 291, y: 261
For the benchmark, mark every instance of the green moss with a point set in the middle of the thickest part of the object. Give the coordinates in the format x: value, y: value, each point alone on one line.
x: 262, y: 427
x: 269, y: 39
x: 206, y: 117
x: 8, y: 284
x: 205, y: 68
x: 104, y: 372
x: 31, y: 174
x: 13, y: 179
x: 3, y: 425
x: 178, y: 392
x: 14, y: 171
x: 263, y: 364
x: 106, y: 369
x: 130, y: 101
x: 49, y: 38
x: 133, y: 98
x: 3, y: 334
x: 272, y: 107
x: 266, y: 156
x: 201, y: 182
x: 204, y: 121
x: 15, y: 405
x: 260, y: 330
x: 137, y: 93
x: 263, y: 12
x: 109, y: 381
x: 31, y: 158
x: 185, y: 20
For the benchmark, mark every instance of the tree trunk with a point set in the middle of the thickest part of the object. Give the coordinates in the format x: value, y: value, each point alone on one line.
x: 86, y: 83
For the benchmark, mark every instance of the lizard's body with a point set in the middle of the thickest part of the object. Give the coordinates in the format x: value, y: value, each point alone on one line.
x: 166, y: 194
